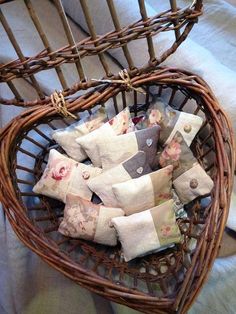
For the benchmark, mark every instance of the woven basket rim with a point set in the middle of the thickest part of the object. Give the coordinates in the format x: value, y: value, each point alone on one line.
x: 165, y: 76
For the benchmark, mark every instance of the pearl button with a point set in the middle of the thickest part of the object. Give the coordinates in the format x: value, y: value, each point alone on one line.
x: 187, y: 128
x: 193, y: 184
x: 85, y: 175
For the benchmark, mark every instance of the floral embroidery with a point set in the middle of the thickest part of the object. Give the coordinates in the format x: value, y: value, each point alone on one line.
x: 94, y: 124
x: 122, y: 123
x: 155, y: 117
x: 166, y: 230
x: 80, y: 221
x: 61, y: 169
x: 170, y: 154
x: 161, y: 198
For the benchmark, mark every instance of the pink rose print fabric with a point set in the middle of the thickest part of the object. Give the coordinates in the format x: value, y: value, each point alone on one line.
x: 64, y: 175
x: 61, y: 169
x: 85, y: 220
x: 170, y: 121
x: 122, y: 122
x: 189, y: 178
x: 178, y: 154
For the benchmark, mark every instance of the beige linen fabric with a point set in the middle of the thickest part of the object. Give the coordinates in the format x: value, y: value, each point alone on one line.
x: 120, y: 124
x: 105, y: 232
x: 188, y: 125
x: 145, y: 192
x: 145, y: 232
x: 63, y: 175
x: 132, y: 167
x: 137, y: 234
x: 66, y: 137
x: 85, y: 220
x: 88, y: 142
x: 165, y: 223
x: 193, y: 183
x: 114, y: 150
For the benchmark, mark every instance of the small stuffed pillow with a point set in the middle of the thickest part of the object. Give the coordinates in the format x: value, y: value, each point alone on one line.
x: 133, y: 167
x: 120, y: 124
x: 189, y: 178
x: 63, y: 175
x: 171, y: 121
x: 116, y: 149
x: 85, y: 220
x: 66, y: 137
x: 150, y: 190
x: 145, y: 232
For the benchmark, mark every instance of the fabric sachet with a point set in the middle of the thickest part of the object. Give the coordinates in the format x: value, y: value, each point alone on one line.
x: 66, y: 137
x: 133, y: 167
x: 85, y: 220
x: 145, y: 232
x: 189, y: 178
x: 150, y: 190
x: 64, y: 175
x: 120, y: 124
x: 116, y: 149
x: 170, y: 121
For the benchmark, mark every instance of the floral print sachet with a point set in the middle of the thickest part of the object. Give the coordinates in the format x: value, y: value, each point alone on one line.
x: 66, y: 137
x: 85, y: 220
x: 170, y: 121
x: 156, y: 227
x: 178, y: 154
x: 189, y: 178
x: 142, y: 193
x: 64, y: 175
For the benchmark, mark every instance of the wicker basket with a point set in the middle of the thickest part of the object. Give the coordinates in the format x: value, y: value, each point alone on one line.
x: 165, y: 282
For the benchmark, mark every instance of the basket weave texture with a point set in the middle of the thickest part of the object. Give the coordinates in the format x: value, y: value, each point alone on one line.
x: 164, y: 282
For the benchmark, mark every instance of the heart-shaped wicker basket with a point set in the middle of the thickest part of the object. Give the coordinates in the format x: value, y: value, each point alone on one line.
x: 164, y: 282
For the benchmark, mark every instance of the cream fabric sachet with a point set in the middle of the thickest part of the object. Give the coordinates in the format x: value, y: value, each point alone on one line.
x: 150, y: 190
x: 189, y: 178
x: 64, y: 175
x: 114, y: 150
x: 170, y: 121
x: 145, y: 232
x: 120, y: 124
x: 66, y: 137
x: 85, y: 220
x: 133, y: 167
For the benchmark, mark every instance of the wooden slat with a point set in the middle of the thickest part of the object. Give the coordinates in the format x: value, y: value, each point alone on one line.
x: 143, y: 13
x: 94, y: 35
x: 19, y: 52
x: 70, y: 37
x: 173, y: 6
x: 116, y: 23
x: 44, y: 39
